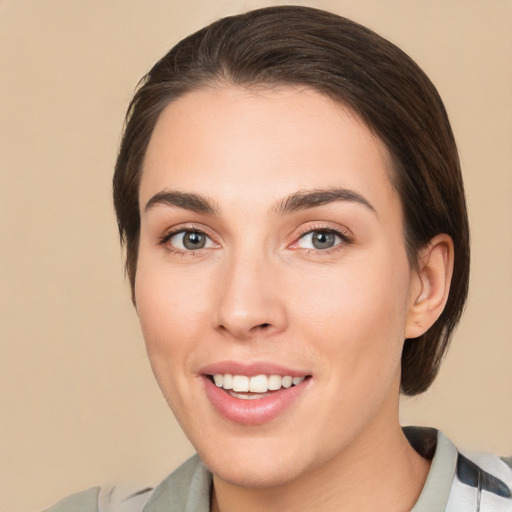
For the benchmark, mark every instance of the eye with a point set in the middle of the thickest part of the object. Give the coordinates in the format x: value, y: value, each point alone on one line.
x: 189, y: 240
x: 320, y: 239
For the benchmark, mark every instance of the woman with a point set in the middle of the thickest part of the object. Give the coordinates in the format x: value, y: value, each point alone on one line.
x: 289, y: 193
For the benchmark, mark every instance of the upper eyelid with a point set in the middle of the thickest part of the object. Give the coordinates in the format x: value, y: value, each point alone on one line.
x: 343, y: 231
x: 179, y: 228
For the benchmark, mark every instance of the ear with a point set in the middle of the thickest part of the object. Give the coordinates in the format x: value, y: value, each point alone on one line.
x: 430, y: 285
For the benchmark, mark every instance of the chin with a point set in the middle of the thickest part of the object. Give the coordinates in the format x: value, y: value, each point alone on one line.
x: 274, y: 473
x: 261, y: 463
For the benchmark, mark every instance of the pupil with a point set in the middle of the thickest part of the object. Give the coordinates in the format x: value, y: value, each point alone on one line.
x: 194, y: 240
x: 323, y: 240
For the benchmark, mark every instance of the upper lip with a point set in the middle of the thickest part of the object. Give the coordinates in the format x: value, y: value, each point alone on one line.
x: 250, y: 369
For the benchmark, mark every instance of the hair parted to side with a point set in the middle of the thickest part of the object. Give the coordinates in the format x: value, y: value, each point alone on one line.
x: 292, y: 45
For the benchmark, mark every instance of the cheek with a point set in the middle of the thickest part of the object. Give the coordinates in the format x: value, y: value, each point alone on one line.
x: 170, y: 321
x: 171, y: 310
x: 168, y: 302
x: 357, y: 317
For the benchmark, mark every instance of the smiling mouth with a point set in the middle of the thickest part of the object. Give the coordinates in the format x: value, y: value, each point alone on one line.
x: 255, y: 387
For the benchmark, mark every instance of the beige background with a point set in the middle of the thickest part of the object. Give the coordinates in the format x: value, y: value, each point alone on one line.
x: 78, y: 405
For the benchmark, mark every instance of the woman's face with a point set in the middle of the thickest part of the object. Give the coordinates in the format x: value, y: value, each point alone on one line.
x: 272, y: 246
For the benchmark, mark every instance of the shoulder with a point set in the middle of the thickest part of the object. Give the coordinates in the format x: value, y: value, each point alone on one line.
x: 483, y: 479
x: 85, y: 501
x: 482, y: 482
x: 186, y: 489
x: 97, y: 499
x: 460, y: 481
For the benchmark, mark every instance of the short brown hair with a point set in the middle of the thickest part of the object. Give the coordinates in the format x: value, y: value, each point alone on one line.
x: 353, y: 65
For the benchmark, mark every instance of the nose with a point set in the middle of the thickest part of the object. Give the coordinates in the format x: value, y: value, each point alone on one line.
x: 250, y: 303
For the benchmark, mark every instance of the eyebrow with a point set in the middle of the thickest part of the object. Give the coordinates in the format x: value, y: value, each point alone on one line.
x: 187, y: 201
x: 305, y: 199
x: 301, y: 200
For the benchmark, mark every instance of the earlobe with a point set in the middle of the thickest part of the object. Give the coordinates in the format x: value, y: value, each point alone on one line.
x: 431, y: 285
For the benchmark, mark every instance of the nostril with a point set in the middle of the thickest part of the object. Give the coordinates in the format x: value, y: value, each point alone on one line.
x: 264, y: 328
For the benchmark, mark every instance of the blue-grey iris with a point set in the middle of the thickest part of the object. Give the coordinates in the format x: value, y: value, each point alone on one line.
x: 194, y: 240
x: 323, y: 240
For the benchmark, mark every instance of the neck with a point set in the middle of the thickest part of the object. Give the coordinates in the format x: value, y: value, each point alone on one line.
x: 378, y: 471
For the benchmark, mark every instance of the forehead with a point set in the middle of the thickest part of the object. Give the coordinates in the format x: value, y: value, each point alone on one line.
x: 264, y: 143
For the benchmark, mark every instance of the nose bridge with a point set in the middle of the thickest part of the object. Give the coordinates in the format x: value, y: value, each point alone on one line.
x: 249, y: 303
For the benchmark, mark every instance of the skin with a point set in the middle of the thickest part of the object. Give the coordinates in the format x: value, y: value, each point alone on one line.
x: 259, y: 290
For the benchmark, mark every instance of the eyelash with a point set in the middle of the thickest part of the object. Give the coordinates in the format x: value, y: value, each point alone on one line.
x: 344, y: 236
x: 164, y: 240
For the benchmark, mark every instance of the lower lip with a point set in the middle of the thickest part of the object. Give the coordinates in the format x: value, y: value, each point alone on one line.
x: 256, y: 411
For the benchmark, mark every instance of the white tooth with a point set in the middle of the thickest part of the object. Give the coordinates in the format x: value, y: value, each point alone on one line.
x: 228, y: 381
x: 258, y: 384
x: 240, y: 383
x: 297, y: 380
x: 274, y: 382
x: 287, y: 381
x: 217, y: 378
x: 248, y: 396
